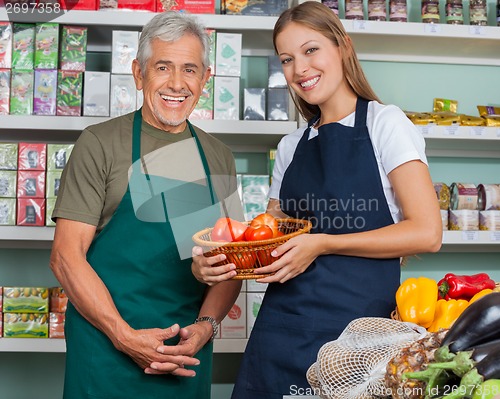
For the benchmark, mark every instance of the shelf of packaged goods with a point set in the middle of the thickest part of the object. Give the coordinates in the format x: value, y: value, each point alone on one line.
x: 59, y: 345
x: 374, y: 40
x: 471, y: 241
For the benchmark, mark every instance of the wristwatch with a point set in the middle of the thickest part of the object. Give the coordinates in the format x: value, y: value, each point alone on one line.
x: 215, y: 326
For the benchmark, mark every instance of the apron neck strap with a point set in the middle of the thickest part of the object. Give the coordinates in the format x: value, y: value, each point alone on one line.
x: 136, y: 148
x: 361, y: 111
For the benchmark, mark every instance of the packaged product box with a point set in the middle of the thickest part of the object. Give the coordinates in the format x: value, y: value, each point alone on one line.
x: 21, y: 92
x: 25, y: 325
x: 30, y: 212
x: 58, y: 300
x: 191, y: 6
x: 73, y: 48
x: 44, y: 93
x: 96, y: 93
x: 234, y: 324
x: 26, y: 299
x: 32, y: 156
x: 58, y: 156
x: 56, y: 324
x: 89, y: 5
x: 23, y: 46
x: 275, y: 75
x: 8, y: 183
x: 46, y: 45
x: 69, y: 93
x: 4, y: 91
x: 124, y: 46
x: 254, y: 104
x: 271, y: 157
x: 226, y: 97
x: 123, y: 95
x: 254, y: 301
x: 136, y: 5
x: 7, y: 211
x: 228, y: 54
x: 50, y: 204
x: 30, y: 184
x: 205, y: 107
x: 254, y: 7
x: 278, y: 105
x: 53, y: 183
x: 212, y: 34
x: 5, y: 44
x: 8, y: 156
x: 255, y: 190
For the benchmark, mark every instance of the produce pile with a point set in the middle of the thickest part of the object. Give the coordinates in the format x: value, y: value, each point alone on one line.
x: 460, y: 360
x: 436, y: 305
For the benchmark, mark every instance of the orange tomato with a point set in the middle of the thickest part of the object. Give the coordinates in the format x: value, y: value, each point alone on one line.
x: 242, y: 260
x: 228, y: 230
x: 265, y: 219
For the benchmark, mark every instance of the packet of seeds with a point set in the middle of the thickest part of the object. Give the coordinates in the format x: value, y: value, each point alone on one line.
x: 23, y: 51
x: 8, y: 156
x: 44, y: 97
x: 73, y: 48
x: 46, y: 45
x: 205, y: 107
x: 21, y: 92
x: 69, y: 93
x: 4, y: 91
x: 5, y: 44
x: 7, y: 211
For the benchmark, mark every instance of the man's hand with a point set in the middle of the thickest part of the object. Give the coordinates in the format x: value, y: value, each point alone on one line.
x: 142, y: 347
x: 175, y: 357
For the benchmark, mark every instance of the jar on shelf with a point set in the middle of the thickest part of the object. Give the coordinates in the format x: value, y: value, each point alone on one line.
x: 398, y: 11
x: 430, y: 11
x: 498, y: 13
x: 454, y: 12
x: 377, y: 10
x: 332, y: 5
x: 478, y: 13
x: 354, y: 9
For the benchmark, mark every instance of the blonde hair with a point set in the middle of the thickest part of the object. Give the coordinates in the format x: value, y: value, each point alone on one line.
x: 318, y: 17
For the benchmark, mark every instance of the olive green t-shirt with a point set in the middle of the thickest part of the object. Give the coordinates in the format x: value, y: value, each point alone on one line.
x: 96, y: 176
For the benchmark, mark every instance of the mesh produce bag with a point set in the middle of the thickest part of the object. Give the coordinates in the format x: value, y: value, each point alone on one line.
x: 353, y: 366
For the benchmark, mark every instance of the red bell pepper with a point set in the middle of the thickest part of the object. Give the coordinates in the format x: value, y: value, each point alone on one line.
x: 454, y: 286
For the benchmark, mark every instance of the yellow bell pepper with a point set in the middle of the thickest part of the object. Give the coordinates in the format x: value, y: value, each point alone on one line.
x: 480, y: 294
x: 447, y: 311
x: 416, y: 300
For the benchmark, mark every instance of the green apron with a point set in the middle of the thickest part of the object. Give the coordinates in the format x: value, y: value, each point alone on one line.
x: 152, y: 288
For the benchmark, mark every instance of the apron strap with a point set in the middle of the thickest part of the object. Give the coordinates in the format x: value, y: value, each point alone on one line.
x: 361, y: 111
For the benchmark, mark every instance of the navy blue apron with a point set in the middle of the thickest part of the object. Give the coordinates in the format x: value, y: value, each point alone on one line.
x: 334, y: 181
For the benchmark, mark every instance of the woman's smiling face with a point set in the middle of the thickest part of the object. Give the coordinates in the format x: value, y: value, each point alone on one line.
x: 172, y: 82
x: 311, y: 63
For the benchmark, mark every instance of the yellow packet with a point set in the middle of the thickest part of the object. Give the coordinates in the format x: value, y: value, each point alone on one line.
x: 488, y: 110
x: 468, y: 120
x: 446, y: 118
x: 492, y: 120
x: 422, y: 118
x: 443, y: 104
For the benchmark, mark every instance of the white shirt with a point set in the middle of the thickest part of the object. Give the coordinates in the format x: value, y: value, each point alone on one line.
x: 395, y: 141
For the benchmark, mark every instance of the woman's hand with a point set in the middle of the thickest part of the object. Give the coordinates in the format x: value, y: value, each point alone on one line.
x: 297, y: 254
x: 204, y: 270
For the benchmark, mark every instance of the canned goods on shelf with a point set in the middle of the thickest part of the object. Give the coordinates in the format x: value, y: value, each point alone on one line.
x: 444, y: 218
x: 443, y: 195
x: 463, y: 219
x: 489, y: 220
x: 463, y: 196
x: 488, y: 197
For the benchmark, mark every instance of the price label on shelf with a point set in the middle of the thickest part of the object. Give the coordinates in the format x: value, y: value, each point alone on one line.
x: 477, y: 30
x: 360, y: 25
x: 470, y: 235
x: 432, y: 28
x: 495, y: 236
x: 425, y: 130
x: 498, y: 132
x: 451, y: 130
x: 478, y: 131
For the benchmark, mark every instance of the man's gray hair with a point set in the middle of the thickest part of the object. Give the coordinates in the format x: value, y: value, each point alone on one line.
x: 170, y: 26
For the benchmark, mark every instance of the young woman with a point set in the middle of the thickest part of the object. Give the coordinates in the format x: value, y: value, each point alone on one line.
x: 359, y: 172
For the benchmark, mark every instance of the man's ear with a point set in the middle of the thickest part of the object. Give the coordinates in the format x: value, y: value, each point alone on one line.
x: 137, y: 73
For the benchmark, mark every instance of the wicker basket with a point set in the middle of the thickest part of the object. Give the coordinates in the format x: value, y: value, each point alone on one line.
x: 250, y: 255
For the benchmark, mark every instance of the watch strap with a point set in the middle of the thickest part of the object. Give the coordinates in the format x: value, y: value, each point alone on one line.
x: 211, y: 320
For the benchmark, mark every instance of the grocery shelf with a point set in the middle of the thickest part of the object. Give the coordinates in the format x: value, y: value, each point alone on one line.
x: 59, y: 345
x: 373, y: 40
x: 471, y: 241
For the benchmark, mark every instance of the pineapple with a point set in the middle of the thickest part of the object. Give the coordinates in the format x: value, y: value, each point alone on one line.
x: 414, y: 357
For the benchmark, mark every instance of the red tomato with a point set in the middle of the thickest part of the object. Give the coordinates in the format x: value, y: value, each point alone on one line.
x: 265, y: 219
x: 259, y: 233
x: 242, y: 260
x: 265, y: 257
x: 228, y: 230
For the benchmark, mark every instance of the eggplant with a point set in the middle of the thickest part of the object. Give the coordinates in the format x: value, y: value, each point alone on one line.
x: 479, y: 323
